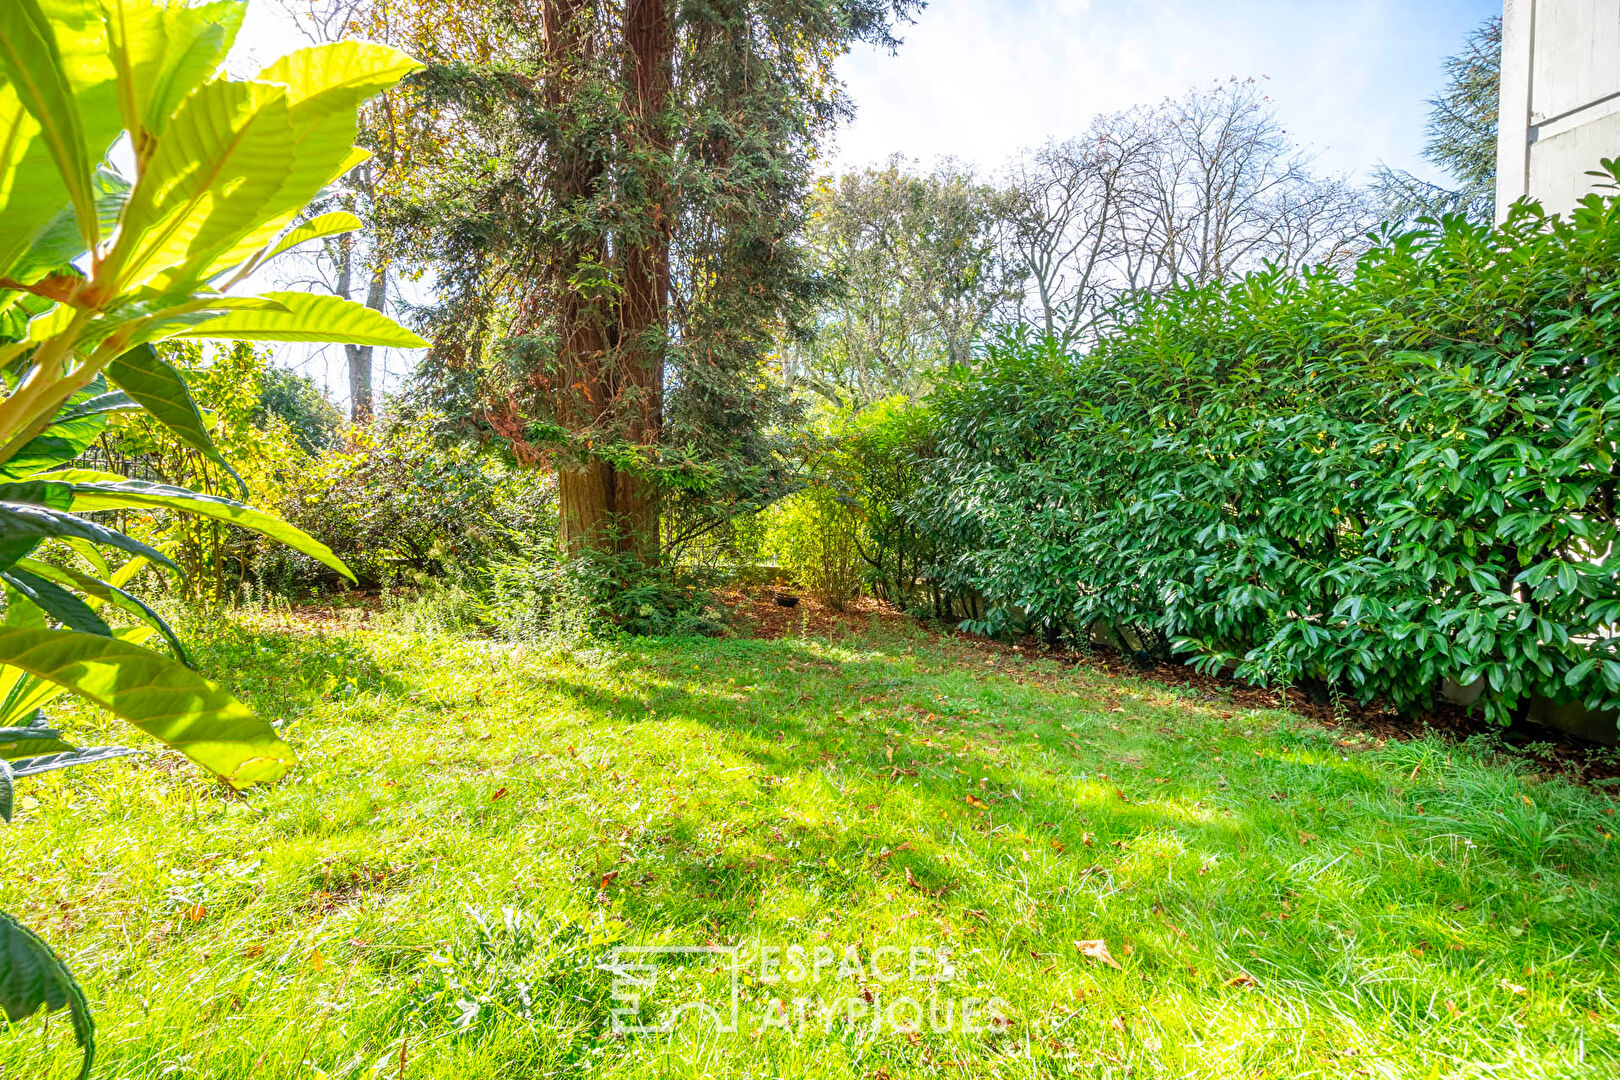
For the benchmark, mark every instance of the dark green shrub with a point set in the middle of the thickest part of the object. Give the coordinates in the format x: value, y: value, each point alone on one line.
x: 1374, y: 482
x: 406, y: 509
x: 877, y: 467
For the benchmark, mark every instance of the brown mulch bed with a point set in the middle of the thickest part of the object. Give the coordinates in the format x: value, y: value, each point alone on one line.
x: 755, y: 612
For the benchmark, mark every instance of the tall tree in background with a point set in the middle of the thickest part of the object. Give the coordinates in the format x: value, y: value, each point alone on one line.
x: 1069, y: 202
x: 1462, y: 138
x: 1188, y: 191
x: 610, y: 193
x: 917, y: 264
x: 1223, y: 189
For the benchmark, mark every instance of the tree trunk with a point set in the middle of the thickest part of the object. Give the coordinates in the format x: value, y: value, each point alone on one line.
x: 361, y: 404
x: 610, y: 361
x: 585, y: 491
x: 649, y: 47
x: 586, y: 508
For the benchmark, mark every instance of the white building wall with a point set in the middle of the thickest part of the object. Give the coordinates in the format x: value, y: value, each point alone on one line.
x: 1560, y: 99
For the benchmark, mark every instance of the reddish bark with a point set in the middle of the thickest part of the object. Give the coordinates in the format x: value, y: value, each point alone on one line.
x: 610, y: 366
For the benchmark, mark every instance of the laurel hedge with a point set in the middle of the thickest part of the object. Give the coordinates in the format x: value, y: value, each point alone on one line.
x: 1371, y: 482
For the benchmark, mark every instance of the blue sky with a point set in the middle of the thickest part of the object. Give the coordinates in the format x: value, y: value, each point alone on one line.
x: 978, y: 79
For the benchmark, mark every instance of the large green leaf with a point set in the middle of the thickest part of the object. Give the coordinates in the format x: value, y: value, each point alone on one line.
x: 107, y: 593
x: 67, y: 759
x: 312, y: 111
x: 164, y: 698
x: 164, y: 320
x: 198, y: 39
x: 102, y: 491
x: 22, y: 522
x: 336, y: 78
x: 55, y: 55
x: 41, y: 491
x: 162, y: 391
x: 73, y: 430
x: 14, y: 545
x: 334, y: 224
x: 26, y: 695
x: 163, y: 52
x: 63, y: 441
x: 325, y: 84
x: 24, y: 615
x: 22, y: 695
x: 209, y: 180
x: 56, y: 245
x: 33, y: 978
x: 56, y: 602
x: 31, y: 193
x: 105, y: 401
x: 36, y: 740
x: 17, y: 312
x: 308, y: 318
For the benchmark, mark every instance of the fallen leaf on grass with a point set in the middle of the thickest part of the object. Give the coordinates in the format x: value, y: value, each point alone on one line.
x: 1243, y: 979
x: 1514, y: 988
x: 500, y: 794
x: 607, y: 879
x: 977, y: 803
x: 1097, y: 949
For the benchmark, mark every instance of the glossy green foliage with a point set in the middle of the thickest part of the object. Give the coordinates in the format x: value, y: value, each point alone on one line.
x: 1375, y: 482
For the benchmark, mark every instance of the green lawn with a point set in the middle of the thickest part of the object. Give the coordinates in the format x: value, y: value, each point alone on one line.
x: 476, y: 826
